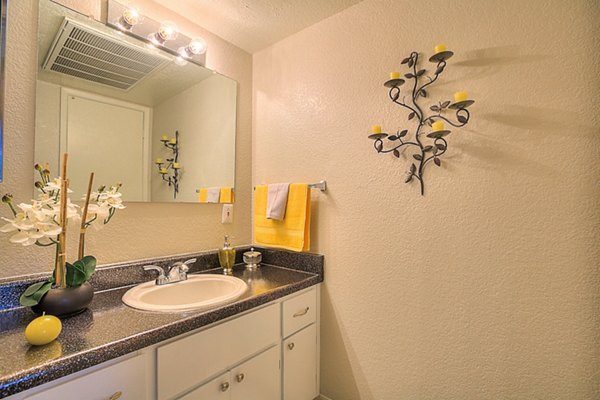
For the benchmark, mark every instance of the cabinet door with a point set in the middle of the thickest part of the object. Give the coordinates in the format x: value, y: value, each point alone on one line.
x: 300, y: 365
x: 217, y: 389
x: 185, y: 363
x: 124, y: 380
x: 258, y: 378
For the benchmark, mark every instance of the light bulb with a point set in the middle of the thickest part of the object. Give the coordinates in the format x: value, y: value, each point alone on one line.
x: 130, y: 18
x: 167, y: 31
x: 180, y: 61
x: 197, y: 46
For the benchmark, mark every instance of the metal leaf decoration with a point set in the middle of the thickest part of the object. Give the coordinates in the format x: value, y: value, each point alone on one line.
x: 430, y: 146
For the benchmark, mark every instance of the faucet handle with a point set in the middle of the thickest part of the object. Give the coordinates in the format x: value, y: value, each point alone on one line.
x: 161, y: 279
x: 185, y: 267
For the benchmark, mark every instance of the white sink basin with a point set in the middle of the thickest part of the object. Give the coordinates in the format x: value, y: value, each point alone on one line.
x: 198, y: 292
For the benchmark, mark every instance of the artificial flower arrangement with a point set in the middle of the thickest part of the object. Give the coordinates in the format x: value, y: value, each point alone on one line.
x: 44, y: 223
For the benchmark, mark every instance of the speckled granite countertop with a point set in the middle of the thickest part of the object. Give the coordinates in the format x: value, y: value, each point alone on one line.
x: 110, y: 329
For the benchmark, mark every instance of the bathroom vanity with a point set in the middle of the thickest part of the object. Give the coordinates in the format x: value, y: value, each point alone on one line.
x: 262, y: 346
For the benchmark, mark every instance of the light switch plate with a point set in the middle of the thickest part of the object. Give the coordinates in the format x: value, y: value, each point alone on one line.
x: 227, y: 214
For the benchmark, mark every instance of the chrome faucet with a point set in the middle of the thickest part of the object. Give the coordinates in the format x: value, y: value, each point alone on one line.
x: 177, y: 272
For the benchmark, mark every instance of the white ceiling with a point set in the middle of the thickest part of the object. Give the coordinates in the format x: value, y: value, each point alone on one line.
x: 255, y: 24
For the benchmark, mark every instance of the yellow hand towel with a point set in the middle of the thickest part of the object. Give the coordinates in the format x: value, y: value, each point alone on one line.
x: 226, y: 195
x: 202, y: 195
x: 293, y: 233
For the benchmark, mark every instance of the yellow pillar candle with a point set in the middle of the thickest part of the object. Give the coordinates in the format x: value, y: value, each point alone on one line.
x: 158, y: 161
x: 437, y: 126
x: 176, y: 165
x: 164, y: 138
x: 439, y: 48
x: 43, y: 330
x: 460, y: 96
x: 376, y: 129
x: 173, y: 141
x: 394, y: 75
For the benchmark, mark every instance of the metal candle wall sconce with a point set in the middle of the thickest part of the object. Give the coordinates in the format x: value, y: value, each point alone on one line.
x: 436, y: 146
x: 170, y: 173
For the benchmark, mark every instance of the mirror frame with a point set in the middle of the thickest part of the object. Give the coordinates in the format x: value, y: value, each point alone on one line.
x: 3, y: 20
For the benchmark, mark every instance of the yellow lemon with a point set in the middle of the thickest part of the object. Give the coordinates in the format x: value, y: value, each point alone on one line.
x: 43, y: 330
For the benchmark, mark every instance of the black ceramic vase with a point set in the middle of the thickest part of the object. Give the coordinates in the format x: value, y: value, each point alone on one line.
x: 65, y: 302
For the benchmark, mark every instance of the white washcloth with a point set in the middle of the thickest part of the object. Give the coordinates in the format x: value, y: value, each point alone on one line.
x: 277, y: 196
x: 213, y: 194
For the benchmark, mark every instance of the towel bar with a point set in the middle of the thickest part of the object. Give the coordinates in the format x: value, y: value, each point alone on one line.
x: 322, y: 186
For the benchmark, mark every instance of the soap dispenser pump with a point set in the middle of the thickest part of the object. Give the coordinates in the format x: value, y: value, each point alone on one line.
x: 227, y: 257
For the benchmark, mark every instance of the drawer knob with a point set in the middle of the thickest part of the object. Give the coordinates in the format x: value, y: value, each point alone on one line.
x: 239, y: 377
x: 224, y: 386
x: 301, y: 313
x: 291, y: 346
x: 116, y: 395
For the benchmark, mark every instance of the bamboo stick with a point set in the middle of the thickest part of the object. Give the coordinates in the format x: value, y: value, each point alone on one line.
x: 62, y: 238
x: 84, y: 218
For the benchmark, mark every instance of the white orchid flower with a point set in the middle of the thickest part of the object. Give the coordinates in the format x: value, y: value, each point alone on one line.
x: 54, y: 185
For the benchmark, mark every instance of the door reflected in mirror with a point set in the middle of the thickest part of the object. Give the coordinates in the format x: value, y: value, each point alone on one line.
x: 130, y: 113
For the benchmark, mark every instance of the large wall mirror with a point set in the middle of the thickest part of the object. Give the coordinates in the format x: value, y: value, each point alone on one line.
x: 128, y: 112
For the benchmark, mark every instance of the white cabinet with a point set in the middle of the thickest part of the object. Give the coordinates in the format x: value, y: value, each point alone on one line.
x: 300, y: 346
x: 123, y: 380
x: 216, y: 389
x: 266, y: 354
x: 299, y: 311
x: 300, y: 365
x: 189, y: 361
x: 255, y: 379
x: 258, y: 378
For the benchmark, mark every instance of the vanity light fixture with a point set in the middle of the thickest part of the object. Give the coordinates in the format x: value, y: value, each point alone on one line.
x: 167, y: 31
x: 196, y: 46
x: 129, y: 18
x: 427, y: 143
x: 163, y: 36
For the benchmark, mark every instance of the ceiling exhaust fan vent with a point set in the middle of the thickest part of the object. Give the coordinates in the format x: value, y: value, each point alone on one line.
x: 85, y: 53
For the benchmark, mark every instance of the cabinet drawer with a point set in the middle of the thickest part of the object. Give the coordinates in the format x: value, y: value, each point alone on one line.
x: 127, y: 377
x: 189, y: 361
x: 299, y: 312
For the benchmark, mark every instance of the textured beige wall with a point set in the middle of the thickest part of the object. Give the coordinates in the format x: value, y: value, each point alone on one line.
x: 488, y: 287
x: 142, y: 230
